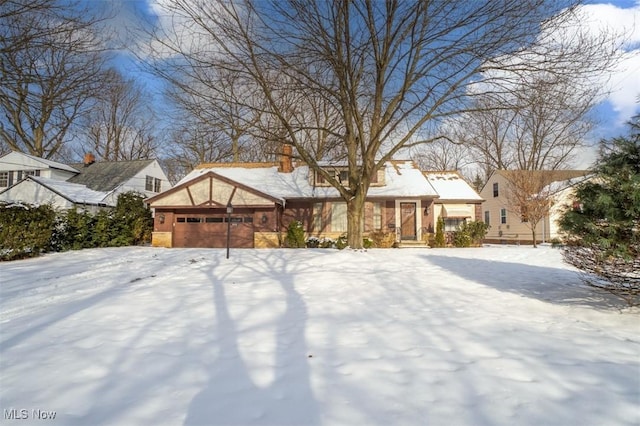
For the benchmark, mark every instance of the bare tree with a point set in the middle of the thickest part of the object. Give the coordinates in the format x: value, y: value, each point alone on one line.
x: 530, y: 194
x: 120, y: 123
x: 442, y: 155
x: 192, y: 144
x: 545, y: 118
x: 528, y: 197
x: 51, y: 62
x: 389, y: 69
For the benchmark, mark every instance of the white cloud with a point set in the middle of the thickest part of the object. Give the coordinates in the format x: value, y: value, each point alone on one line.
x: 624, y: 80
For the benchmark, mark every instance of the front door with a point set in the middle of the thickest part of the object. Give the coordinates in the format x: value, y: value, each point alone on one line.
x: 408, y: 221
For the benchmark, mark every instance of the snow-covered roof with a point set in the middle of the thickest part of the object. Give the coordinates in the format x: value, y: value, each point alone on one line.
x: 76, y: 193
x: 402, y: 179
x: 561, y: 185
x: 49, y: 163
x: 451, y: 186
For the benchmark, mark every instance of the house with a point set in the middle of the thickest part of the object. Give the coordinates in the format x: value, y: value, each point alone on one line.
x: 15, y: 166
x: 508, y: 221
x: 266, y: 197
x: 89, y: 185
x: 457, y: 202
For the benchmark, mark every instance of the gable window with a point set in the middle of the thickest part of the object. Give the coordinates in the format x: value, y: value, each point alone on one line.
x: 31, y: 173
x: 339, y: 217
x: 148, y: 186
x: 343, y: 176
x: 495, y: 189
x: 377, y: 216
x: 156, y: 185
x: 503, y: 216
x: 317, y: 217
x: 487, y: 217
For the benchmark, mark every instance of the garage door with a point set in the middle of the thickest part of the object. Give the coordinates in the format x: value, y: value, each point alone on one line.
x: 211, y: 231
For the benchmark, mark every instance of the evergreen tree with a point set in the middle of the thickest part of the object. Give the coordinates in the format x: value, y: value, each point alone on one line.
x: 603, y: 227
x: 439, y: 239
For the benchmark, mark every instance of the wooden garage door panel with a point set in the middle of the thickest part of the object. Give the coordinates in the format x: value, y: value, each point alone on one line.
x: 213, y: 235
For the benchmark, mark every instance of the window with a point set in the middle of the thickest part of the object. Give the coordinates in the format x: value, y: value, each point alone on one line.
x: 339, y: 217
x: 377, y: 216
x: 320, y: 179
x: 503, y: 215
x: 343, y: 177
x: 31, y: 173
x: 452, y: 224
x: 194, y: 220
x: 317, y: 217
x: 495, y: 189
x: 148, y: 186
x: 156, y: 185
x: 487, y: 217
x: 181, y: 220
x: 4, y: 179
x: 524, y: 214
x: 213, y: 220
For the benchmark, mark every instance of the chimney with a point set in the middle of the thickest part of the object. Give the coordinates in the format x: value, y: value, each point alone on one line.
x: 89, y: 159
x: 286, y: 163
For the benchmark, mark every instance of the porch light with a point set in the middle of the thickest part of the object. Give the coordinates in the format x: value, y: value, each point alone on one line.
x: 229, y: 211
x: 264, y: 218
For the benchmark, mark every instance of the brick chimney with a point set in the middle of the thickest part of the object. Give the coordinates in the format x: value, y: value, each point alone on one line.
x: 89, y: 159
x: 286, y: 163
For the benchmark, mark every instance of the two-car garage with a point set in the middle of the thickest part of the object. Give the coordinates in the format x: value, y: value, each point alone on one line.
x: 210, y: 230
x: 194, y: 214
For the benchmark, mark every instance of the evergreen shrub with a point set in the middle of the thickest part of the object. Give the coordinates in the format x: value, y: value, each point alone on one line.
x: 295, y: 235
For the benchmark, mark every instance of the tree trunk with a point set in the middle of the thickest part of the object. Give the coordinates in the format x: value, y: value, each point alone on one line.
x: 355, y: 219
x: 533, y: 234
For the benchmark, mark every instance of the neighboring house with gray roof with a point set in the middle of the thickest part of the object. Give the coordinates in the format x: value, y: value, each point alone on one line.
x: 89, y: 185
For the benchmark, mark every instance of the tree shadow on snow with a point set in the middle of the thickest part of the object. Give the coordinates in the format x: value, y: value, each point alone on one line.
x: 553, y: 285
x: 231, y: 395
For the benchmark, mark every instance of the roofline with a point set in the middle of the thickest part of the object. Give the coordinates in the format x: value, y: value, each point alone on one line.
x: 467, y: 200
x: 207, y: 175
x: 33, y: 178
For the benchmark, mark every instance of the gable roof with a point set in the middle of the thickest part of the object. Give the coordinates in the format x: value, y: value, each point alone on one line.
x: 107, y: 175
x: 451, y: 186
x: 47, y: 163
x: 402, y: 179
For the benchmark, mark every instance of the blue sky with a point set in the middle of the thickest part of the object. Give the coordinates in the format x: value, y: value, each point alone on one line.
x: 611, y: 114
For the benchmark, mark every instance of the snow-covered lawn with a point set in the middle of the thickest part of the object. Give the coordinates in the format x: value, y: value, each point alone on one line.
x: 146, y: 336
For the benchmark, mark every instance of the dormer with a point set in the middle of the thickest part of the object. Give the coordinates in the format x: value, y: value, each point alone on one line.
x: 341, y: 174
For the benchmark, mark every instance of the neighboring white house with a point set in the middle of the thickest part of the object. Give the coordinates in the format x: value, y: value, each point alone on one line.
x: 16, y: 166
x: 507, y: 225
x: 89, y: 185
